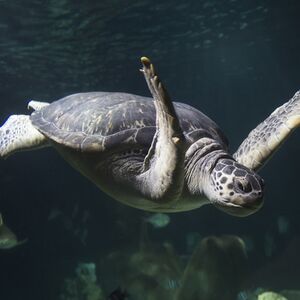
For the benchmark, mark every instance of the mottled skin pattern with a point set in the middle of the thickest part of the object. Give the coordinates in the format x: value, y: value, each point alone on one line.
x: 266, y: 138
x: 154, y: 155
x: 18, y: 133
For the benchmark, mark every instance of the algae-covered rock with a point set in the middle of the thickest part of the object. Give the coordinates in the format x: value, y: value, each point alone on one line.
x: 151, y: 272
x: 215, y: 270
x: 83, y: 286
x: 271, y: 296
x: 154, y: 271
x: 264, y: 294
x: 74, y: 289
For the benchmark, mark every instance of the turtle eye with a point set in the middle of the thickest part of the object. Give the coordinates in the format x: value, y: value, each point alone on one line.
x: 242, y: 185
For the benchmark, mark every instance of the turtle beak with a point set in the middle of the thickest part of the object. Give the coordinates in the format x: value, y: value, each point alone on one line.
x: 241, y: 207
x: 251, y: 202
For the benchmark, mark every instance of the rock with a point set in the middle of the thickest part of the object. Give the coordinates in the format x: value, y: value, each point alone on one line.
x: 216, y: 269
x: 151, y: 272
x: 271, y: 296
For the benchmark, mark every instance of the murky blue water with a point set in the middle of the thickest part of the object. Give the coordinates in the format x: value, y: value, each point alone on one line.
x: 234, y: 60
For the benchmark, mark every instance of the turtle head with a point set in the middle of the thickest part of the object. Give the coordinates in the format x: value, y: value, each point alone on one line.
x: 234, y: 188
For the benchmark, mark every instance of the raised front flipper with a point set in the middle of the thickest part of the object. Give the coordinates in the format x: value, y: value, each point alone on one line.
x: 162, y: 176
x: 266, y: 138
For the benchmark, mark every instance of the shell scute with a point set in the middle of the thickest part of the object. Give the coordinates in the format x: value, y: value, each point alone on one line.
x: 100, y: 121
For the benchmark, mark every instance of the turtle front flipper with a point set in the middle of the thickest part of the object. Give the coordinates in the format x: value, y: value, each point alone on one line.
x: 162, y: 176
x: 18, y: 134
x: 266, y: 138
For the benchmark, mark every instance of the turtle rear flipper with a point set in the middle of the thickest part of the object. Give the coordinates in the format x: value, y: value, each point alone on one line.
x: 18, y: 134
x: 37, y: 105
x: 266, y: 138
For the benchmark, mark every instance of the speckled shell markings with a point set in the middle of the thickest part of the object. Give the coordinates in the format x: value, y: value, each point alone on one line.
x: 101, y: 121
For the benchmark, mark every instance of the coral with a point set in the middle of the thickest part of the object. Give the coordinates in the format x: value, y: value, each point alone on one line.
x: 83, y: 286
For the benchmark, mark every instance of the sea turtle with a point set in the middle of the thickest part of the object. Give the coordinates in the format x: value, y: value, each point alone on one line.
x: 156, y: 155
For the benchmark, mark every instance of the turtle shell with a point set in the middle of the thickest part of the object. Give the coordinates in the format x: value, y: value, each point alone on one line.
x: 101, y: 121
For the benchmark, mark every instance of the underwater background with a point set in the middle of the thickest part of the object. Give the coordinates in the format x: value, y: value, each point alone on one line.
x: 234, y: 60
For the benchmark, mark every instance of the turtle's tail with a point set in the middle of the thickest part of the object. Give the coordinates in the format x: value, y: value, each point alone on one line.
x: 18, y: 134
